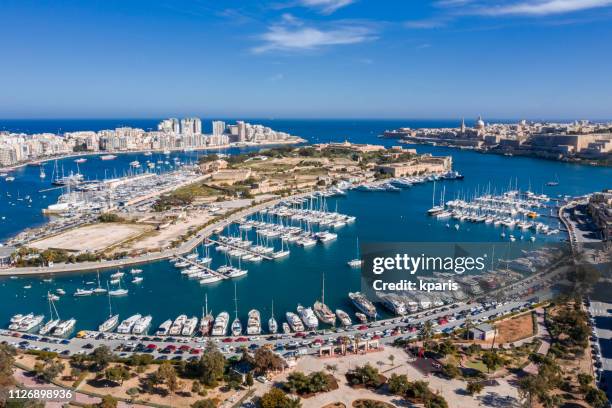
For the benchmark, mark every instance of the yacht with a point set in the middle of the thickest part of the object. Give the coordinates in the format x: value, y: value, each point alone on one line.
x: 355, y: 263
x: 308, y: 317
x: 108, y: 157
x: 254, y: 322
x: 117, y: 275
x: 208, y: 278
x: 361, y: 317
x: 64, y: 328
x: 324, y: 313
x: 99, y: 289
x: 137, y: 279
x: 363, y: 304
x: 220, y: 326
x: 294, y: 322
x: 142, y: 325
x: 177, y: 326
x: 286, y: 328
x: 394, y: 305
x: 190, y: 326
x: 126, y: 326
x: 119, y: 291
x: 48, y: 327
x: 164, y: 328
x: 135, y: 271
x: 109, y: 324
x: 343, y: 317
x: 80, y: 160
x: 236, y: 325
x: 30, y: 323
x: 83, y: 292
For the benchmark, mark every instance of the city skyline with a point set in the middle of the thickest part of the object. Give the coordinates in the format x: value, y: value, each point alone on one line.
x: 307, y: 59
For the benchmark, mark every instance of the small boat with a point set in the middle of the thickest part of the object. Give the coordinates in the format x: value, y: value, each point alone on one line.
x: 343, y: 317
x: 362, y: 318
x: 164, y: 328
x: 137, y: 279
x: 80, y: 160
x: 108, y: 157
x: 83, y: 292
x: 272, y: 324
x: 135, y: 271
x: 286, y: 328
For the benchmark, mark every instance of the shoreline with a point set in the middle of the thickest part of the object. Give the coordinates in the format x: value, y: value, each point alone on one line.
x: 186, y: 247
x: 528, y: 154
x: 176, y: 149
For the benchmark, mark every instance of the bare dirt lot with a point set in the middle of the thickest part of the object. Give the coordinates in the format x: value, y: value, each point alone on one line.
x: 514, y: 329
x: 92, y: 237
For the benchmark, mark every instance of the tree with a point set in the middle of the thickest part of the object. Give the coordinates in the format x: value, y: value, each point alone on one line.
x: 75, y: 372
x: 398, y: 384
x: 366, y: 375
x: 108, y: 401
x: 205, y: 403
x: 474, y: 388
x: 249, y: 380
x: 391, y: 359
x: 491, y: 360
x: 596, y: 397
x: 101, y: 356
x: 167, y: 374
x: 6, y: 365
x: 212, y: 365
x: 117, y: 374
x: 332, y: 368
x: 276, y: 398
x: 49, y: 370
x: 426, y: 332
x: 266, y: 360
x: 528, y: 388
x: 451, y: 370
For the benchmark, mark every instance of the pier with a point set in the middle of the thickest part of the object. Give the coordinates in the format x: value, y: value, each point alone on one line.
x: 205, y: 268
x: 266, y: 257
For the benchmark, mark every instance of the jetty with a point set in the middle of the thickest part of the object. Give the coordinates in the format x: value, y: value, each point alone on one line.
x: 245, y: 249
x: 204, y: 268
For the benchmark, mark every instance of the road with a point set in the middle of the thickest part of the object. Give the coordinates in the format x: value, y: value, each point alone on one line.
x: 602, y: 313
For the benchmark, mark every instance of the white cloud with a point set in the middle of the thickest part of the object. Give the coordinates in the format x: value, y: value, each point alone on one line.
x: 276, y: 77
x: 425, y: 24
x: 543, y: 7
x: 326, y: 6
x: 309, y: 38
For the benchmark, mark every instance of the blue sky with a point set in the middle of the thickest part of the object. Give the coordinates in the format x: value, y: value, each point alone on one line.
x: 306, y: 58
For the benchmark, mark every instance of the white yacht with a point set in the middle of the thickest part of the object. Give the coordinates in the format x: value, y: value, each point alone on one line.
x: 135, y: 271
x: 177, y: 326
x: 83, y: 292
x: 137, y: 279
x: 126, y: 326
x: 286, y: 328
x: 164, y: 328
x: 117, y: 275
x: 190, y: 326
x: 142, y: 325
x: 220, y: 325
x: 294, y: 321
x: 363, y: 304
x: 343, y: 317
x: 109, y: 324
x: 254, y: 322
x: 64, y: 328
x: 308, y: 317
x: 272, y: 324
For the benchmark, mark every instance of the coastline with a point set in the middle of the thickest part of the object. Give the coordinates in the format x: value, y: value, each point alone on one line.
x: 186, y: 247
x: 529, y: 154
x: 298, y: 140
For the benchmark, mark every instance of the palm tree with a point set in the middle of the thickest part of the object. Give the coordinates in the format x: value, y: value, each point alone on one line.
x: 426, y: 333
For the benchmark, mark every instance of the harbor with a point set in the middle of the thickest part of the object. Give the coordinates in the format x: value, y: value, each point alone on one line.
x: 267, y: 281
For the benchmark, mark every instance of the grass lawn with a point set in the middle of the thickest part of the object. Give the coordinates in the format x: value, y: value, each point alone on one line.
x: 476, y: 365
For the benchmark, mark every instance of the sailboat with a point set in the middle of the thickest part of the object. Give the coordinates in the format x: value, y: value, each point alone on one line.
x: 435, y: 209
x: 99, y: 289
x: 42, y: 172
x: 272, y: 324
x: 357, y: 262
x: 207, y: 320
x: 119, y: 291
x: 553, y: 183
x: 52, y: 323
x: 112, y: 321
x: 322, y: 311
x: 236, y: 325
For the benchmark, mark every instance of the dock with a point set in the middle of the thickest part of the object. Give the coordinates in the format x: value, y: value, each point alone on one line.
x: 266, y: 257
x: 205, y: 268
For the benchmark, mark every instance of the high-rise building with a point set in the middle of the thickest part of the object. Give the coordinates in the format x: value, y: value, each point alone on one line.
x: 218, y: 127
x: 191, y: 126
x: 169, y: 126
x: 242, y: 131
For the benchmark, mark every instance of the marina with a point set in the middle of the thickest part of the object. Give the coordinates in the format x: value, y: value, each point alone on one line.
x: 374, y: 212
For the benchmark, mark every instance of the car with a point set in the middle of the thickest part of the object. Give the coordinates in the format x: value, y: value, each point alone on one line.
x: 227, y: 340
x: 88, y: 346
x: 261, y: 379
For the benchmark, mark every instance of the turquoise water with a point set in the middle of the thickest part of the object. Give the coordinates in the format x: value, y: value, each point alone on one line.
x: 164, y: 293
